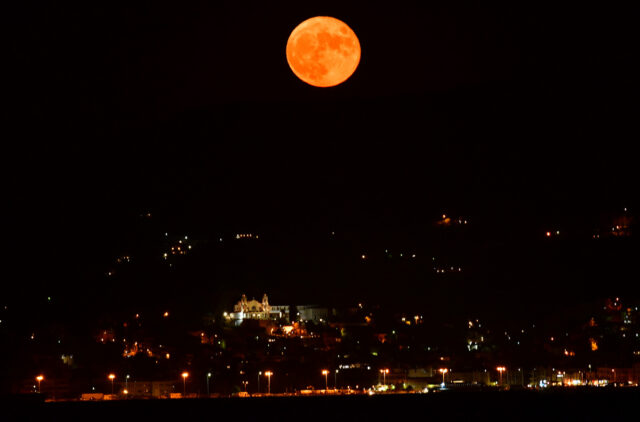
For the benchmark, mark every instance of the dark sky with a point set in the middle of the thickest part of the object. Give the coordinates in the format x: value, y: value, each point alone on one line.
x: 519, y: 116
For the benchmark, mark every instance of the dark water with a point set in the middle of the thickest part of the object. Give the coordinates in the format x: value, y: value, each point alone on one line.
x: 599, y: 405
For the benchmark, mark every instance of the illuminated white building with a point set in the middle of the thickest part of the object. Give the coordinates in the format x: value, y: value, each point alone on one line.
x: 263, y: 311
x: 252, y: 309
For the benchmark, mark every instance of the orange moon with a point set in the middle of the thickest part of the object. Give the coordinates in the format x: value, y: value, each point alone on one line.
x: 323, y: 51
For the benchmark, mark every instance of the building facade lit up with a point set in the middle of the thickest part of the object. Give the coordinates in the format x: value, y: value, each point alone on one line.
x: 252, y: 309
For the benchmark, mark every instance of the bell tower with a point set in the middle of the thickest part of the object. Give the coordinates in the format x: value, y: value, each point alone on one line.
x: 244, y: 305
x: 265, y: 306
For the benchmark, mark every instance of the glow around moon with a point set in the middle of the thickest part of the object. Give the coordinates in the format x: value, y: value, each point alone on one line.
x: 323, y: 51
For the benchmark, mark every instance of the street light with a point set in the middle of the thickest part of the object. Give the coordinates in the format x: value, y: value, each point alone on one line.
x: 112, y: 377
x: 501, y: 369
x: 384, y: 375
x: 443, y: 371
x: 335, y: 380
x: 259, y: 375
x: 39, y: 378
x: 184, y: 383
x: 245, y: 385
x: 325, y: 372
x: 268, y: 374
x: 126, y: 382
x: 208, y: 378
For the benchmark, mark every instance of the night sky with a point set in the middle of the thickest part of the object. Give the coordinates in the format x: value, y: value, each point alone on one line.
x: 519, y: 117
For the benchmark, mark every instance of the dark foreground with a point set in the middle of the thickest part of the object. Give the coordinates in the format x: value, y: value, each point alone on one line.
x: 594, y: 405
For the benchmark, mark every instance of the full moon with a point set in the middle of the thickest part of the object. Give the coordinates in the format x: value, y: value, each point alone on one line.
x: 323, y: 51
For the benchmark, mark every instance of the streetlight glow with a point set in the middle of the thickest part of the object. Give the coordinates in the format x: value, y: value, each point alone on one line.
x: 384, y: 373
x: 501, y: 369
x: 112, y: 377
x: 184, y: 383
x: 268, y: 374
x: 39, y: 378
x: 325, y: 372
x: 443, y: 371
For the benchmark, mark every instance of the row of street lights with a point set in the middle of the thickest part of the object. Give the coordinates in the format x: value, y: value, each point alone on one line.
x: 184, y: 375
x: 444, y: 371
x: 112, y: 377
x: 326, y: 373
x: 268, y: 374
x: 126, y: 383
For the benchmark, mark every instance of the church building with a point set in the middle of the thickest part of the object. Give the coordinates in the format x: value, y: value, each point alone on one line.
x: 252, y: 309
